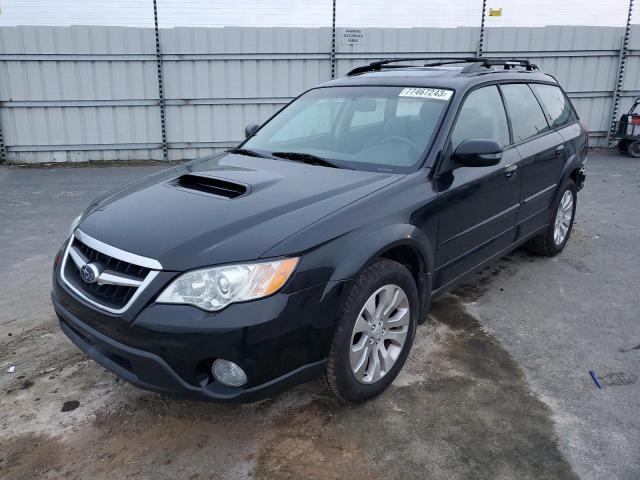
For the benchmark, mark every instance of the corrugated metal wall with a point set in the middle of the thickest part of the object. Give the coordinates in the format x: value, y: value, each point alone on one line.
x: 91, y: 93
x: 79, y: 93
x: 217, y: 80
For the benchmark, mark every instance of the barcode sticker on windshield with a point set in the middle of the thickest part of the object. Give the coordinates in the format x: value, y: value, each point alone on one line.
x: 437, y: 93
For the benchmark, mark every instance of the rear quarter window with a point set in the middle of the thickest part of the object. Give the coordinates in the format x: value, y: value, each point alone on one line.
x: 556, y: 105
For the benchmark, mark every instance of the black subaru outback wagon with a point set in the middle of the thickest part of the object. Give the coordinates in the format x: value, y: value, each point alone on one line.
x: 314, y: 248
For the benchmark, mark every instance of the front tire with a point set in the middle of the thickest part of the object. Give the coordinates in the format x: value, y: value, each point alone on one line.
x: 553, y: 240
x: 374, y: 333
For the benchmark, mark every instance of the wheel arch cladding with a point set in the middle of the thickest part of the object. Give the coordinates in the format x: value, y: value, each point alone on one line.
x: 399, y: 242
x: 403, y: 243
x: 570, y: 171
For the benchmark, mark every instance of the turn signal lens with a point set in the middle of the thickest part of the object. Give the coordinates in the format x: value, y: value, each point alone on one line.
x: 281, y: 275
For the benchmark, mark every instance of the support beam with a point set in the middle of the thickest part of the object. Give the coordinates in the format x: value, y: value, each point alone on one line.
x: 333, y: 42
x: 163, y: 124
x: 3, y: 149
x: 622, y: 63
x: 481, y: 40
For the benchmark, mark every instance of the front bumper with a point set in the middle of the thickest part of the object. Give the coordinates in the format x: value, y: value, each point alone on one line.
x: 279, y: 341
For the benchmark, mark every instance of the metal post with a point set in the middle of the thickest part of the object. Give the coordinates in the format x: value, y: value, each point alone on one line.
x: 622, y: 63
x: 163, y: 125
x: 333, y: 42
x: 481, y: 40
x: 3, y: 148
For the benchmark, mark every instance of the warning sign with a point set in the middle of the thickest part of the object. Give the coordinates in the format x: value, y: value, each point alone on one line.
x: 495, y: 12
x: 352, y: 36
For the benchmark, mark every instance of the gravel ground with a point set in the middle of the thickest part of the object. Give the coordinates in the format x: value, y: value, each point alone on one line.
x: 496, y: 387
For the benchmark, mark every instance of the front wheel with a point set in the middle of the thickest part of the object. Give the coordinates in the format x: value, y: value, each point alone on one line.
x: 555, y: 237
x: 374, y: 333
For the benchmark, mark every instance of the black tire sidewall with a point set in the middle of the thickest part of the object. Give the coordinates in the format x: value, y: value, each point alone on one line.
x: 568, y: 185
x: 633, y: 149
x: 349, y: 388
x: 623, y: 146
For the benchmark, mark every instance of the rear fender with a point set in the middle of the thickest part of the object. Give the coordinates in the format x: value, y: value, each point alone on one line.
x: 572, y: 164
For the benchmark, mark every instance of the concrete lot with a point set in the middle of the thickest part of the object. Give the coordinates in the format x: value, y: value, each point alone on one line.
x: 497, y: 386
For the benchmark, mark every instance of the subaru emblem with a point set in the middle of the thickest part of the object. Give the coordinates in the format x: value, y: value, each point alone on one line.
x: 89, y: 273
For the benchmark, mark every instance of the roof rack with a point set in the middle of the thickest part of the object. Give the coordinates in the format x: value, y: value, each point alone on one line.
x: 475, y: 63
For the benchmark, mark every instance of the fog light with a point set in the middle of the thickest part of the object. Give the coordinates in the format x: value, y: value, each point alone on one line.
x: 228, y: 373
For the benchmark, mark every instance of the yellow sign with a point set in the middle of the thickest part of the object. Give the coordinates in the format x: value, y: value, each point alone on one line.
x: 495, y: 12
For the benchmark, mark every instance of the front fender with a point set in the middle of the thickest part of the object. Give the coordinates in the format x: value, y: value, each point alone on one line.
x: 372, y: 244
x: 341, y: 259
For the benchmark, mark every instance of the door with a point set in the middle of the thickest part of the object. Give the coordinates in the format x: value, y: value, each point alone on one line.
x: 543, y: 155
x: 478, y: 205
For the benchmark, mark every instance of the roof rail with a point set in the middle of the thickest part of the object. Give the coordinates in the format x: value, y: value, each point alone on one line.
x: 475, y: 63
x: 506, y: 63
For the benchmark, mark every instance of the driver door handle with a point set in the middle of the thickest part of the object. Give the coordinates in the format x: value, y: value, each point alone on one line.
x: 510, y: 170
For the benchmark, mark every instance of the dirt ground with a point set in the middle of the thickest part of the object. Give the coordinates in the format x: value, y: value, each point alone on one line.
x: 461, y: 401
x: 463, y: 407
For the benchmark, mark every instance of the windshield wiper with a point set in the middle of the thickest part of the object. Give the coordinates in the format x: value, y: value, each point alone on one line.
x: 248, y: 152
x: 305, y: 158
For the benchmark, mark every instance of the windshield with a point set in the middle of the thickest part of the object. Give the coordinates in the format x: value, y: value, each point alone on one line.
x: 364, y: 128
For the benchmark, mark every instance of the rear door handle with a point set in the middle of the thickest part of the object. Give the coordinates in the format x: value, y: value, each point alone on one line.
x: 559, y: 149
x: 510, y: 170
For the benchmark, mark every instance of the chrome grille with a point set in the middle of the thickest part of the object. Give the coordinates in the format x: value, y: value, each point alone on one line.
x: 116, y: 277
x: 111, y: 263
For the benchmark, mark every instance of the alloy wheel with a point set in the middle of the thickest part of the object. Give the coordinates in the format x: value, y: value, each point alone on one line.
x: 563, y: 217
x: 379, y: 334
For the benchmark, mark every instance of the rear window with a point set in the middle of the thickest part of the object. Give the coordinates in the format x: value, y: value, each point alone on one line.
x: 527, y: 117
x: 556, y: 105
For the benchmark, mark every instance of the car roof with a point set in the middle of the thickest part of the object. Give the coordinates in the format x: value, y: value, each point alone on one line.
x: 439, y: 77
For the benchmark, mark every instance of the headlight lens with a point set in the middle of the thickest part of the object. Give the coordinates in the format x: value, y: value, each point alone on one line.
x: 215, y: 288
x: 74, y: 224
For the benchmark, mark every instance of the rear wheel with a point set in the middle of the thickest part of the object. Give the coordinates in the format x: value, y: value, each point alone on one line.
x: 555, y: 237
x: 634, y: 149
x: 374, y: 333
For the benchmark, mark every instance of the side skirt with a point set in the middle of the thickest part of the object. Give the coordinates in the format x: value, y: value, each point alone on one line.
x: 439, y: 291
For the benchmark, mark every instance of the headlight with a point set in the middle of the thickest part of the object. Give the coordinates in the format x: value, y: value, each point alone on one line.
x: 74, y: 224
x: 215, y: 288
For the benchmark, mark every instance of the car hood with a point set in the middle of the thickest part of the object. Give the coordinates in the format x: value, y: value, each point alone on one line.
x: 182, y: 227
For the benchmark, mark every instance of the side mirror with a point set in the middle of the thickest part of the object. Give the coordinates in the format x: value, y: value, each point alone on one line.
x: 478, y: 153
x: 250, y: 129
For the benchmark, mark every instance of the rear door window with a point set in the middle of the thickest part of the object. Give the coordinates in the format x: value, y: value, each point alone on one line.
x: 527, y: 117
x: 555, y: 103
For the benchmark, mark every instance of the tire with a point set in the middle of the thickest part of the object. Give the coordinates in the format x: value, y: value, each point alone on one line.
x: 547, y: 244
x: 378, y: 281
x: 634, y: 149
x: 622, y: 146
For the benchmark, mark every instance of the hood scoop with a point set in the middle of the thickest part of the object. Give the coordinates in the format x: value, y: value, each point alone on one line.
x: 210, y: 185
